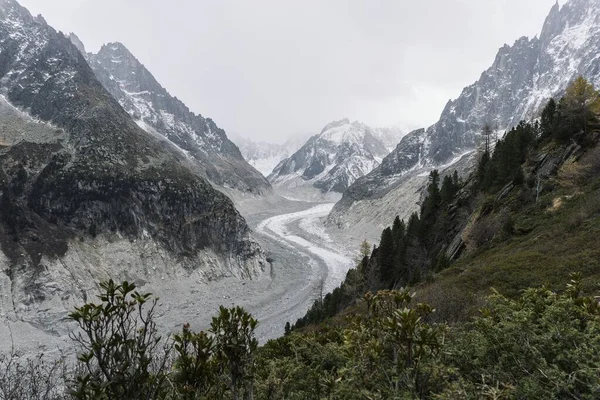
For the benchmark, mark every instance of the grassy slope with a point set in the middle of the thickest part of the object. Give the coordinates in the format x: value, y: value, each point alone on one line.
x: 549, y: 244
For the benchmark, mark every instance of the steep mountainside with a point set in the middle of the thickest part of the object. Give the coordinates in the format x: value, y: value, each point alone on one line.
x: 165, y: 116
x: 522, y: 78
x: 87, y: 195
x: 266, y: 156
x: 332, y: 160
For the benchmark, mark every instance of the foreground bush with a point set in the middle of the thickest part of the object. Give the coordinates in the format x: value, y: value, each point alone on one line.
x: 542, y: 345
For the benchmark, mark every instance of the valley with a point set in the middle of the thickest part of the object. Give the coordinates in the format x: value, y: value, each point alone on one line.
x: 148, y: 253
x: 305, y: 264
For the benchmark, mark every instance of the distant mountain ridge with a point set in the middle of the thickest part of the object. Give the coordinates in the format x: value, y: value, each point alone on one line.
x: 522, y: 78
x: 265, y: 156
x: 159, y: 113
x: 332, y: 160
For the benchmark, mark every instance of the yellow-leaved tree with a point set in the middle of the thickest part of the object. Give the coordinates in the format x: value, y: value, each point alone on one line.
x: 581, y: 102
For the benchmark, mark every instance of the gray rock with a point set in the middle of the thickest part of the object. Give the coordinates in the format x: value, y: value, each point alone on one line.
x: 334, y: 159
x: 199, y: 139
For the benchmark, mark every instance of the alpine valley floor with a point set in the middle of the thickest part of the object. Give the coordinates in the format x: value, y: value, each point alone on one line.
x: 305, y: 263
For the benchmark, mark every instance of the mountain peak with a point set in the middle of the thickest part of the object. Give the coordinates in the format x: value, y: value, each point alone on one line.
x: 335, y: 124
x: 77, y: 42
x: 155, y: 110
x: 332, y: 160
x: 516, y: 87
x: 115, y: 47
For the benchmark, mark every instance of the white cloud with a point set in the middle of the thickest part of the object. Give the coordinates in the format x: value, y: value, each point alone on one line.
x: 269, y: 68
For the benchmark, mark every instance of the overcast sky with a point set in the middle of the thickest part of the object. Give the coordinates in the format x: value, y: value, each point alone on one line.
x: 268, y: 69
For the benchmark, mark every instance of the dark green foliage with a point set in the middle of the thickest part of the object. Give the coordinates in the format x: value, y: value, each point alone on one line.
x: 482, y: 167
x: 235, y: 344
x: 549, y: 119
x: 386, y: 256
x: 413, y: 229
x: 195, y: 368
x: 398, y: 231
x: 434, y: 197
x: 510, y: 153
x: 448, y: 190
x: 118, y: 346
x: 122, y: 357
x: 543, y: 345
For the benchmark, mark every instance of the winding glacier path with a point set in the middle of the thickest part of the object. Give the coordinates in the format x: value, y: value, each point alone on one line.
x: 303, y: 231
x: 306, y: 263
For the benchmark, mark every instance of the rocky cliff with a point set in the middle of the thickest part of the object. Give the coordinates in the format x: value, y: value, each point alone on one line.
x: 160, y: 114
x: 518, y: 84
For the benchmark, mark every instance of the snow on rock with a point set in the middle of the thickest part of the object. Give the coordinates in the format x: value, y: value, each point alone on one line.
x: 153, y: 108
x: 92, y: 195
x: 332, y: 160
x: 517, y: 86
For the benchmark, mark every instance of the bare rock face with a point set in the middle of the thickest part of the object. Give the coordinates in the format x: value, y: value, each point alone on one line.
x: 516, y: 87
x: 86, y: 195
x: 156, y: 111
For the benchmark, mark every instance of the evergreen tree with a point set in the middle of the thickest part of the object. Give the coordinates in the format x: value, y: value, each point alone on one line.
x: 386, y: 256
x: 433, y: 199
x: 413, y: 229
x: 448, y: 190
x: 455, y: 181
x: 549, y: 119
x: 398, y: 230
x: 482, y: 167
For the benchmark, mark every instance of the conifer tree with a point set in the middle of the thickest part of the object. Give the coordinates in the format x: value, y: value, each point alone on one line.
x: 434, y: 198
x: 549, y: 119
x: 386, y: 256
x: 455, y: 180
x: 448, y: 190
x: 398, y: 230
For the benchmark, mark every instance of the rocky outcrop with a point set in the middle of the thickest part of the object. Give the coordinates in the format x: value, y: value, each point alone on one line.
x: 518, y: 84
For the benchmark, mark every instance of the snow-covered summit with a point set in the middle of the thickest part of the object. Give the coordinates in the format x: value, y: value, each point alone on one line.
x: 333, y: 159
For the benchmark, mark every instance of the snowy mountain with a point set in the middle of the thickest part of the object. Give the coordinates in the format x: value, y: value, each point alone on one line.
x: 165, y: 116
x: 266, y: 156
x: 332, y: 160
x: 86, y: 195
x: 518, y: 84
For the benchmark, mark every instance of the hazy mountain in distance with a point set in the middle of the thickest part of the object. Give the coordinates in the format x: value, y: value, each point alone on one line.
x: 264, y: 156
x: 332, y: 160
